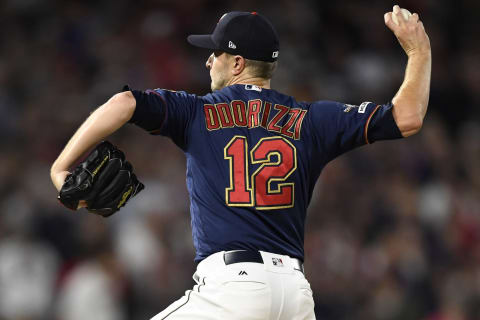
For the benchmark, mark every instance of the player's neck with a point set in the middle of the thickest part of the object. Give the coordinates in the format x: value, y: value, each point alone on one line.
x: 247, y: 79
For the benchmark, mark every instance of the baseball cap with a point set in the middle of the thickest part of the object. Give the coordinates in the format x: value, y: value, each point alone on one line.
x: 248, y: 34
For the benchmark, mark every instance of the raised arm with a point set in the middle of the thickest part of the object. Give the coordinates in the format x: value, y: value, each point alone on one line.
x: 104, y: 121
x: 411, y: 101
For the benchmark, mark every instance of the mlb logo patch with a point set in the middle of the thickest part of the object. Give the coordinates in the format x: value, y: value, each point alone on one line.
x: 253, y: 87
x: 277, y: 262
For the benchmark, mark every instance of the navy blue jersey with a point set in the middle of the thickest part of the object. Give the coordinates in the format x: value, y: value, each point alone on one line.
x: 253, y: 157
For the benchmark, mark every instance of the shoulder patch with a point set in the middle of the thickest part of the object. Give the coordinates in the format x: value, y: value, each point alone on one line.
x: 363, y: 107
x: 349, y: 107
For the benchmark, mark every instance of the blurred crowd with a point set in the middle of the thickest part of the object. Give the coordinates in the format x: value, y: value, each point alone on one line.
x: 393, y: 229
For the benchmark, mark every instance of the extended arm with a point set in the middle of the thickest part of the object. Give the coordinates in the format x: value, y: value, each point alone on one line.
x: 104, y: 121
x: 411, y: 101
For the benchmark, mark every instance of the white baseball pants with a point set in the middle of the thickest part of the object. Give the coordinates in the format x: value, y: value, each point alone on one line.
x: 246, y: 291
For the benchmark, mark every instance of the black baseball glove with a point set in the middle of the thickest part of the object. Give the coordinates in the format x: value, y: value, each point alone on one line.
x: 105, y: 180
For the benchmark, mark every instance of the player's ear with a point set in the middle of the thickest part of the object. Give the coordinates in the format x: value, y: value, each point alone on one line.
x: 238, y: 65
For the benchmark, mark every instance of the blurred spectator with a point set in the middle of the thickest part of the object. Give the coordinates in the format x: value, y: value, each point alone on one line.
x: 27, y: 278
x: 92, y: 291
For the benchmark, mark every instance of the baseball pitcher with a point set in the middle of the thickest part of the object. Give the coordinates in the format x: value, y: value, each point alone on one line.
x: 253, y: 157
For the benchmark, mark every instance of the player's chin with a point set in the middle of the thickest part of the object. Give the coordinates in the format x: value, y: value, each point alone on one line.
x: 218, y: 82
x: 215, y: 86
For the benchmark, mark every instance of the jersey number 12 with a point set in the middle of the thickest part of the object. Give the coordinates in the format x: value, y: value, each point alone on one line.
x: 278, y: 160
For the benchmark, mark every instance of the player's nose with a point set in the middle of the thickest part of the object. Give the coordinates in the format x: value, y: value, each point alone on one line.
x: 208, y: 64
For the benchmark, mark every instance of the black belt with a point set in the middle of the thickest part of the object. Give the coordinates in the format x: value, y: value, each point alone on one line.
x: 231, y: 257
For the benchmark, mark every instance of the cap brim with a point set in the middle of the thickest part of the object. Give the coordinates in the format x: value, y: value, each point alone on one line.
x: 202, y: 41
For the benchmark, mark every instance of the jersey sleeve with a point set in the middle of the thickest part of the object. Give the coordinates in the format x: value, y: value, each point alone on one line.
x: 164, y: 112
x: 338, y: 127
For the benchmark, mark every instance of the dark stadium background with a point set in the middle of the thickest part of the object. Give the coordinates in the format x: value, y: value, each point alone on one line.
x: 393, y: 230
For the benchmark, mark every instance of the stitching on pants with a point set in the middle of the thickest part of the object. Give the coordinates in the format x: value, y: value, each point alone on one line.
x: 202, y: 284
x: 188, y: 299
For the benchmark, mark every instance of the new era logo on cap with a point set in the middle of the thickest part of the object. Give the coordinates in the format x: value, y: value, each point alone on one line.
x: 275, y: 54
x: 232, y: 45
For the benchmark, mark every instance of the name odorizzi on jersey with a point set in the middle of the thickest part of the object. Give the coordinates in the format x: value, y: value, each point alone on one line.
x: 255, y: 113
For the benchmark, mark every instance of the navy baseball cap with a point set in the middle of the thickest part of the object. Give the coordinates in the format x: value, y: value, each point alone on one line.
x: 247, y: 34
